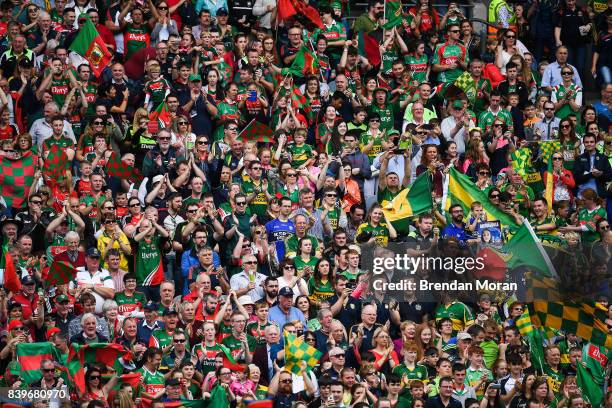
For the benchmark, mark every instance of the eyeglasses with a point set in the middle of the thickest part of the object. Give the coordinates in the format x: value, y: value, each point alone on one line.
x: 163, y: 138
x: 604, y: 227
x: 255, y: 168
x: 557, y: 158
x: 287, y: 381
x: 331, y: 195
x: 109, y: 208
x: 192, y: 211
x: 232, y: 128
x: 135, y: 205
x: 9, y: 151
x: 110, y: 221
x: 240, y: 202
x: 180, y: 341
x: 32, y: 10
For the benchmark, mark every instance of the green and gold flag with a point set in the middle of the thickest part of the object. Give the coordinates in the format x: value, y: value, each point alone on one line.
x: 296, y: 351
x: 411, y: 201
x: 466, y: 83
x: 586, y: 320
x: 393, y: 14
x: 547, y: 148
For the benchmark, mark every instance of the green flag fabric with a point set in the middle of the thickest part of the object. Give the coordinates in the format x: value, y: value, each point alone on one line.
x: 596, y: 359
x: 525, y: 249
x: 305, y: 63
x: 412, y: 201
x: 591, y: 391
x: 256, y: 131
x: 89, y: 44
x: 393, y: 14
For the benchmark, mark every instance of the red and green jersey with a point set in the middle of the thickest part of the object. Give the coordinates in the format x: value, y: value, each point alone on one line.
x: 157, y: 89
x: 59, y: 90
x: 447, y: 54
x: 418, y: 66
x: 153, y: 382
x: 483, y: 85
x: 486, y: 119
x: 207, y: 356
x: 235, y: 346
x: 387, y: 114
x: 333, y: 32
x: 135, y: 39
x: 226, y: 110
x: 128, y: 304
x: 160, y: 338
x: 590, y: 219
x: 149, y: 268
x: 63, y: 143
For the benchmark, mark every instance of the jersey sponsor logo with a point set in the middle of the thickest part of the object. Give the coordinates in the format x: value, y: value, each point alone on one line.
x: 59, y: 90
x: 136, y: 37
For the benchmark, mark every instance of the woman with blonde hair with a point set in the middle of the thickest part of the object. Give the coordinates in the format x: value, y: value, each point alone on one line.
x: 183, y: 139
x: 386, y: 358
x: 138, y: 139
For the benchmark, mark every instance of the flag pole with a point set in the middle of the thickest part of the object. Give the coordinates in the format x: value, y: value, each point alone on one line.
x: 278, y: 92
x: 245, y: 128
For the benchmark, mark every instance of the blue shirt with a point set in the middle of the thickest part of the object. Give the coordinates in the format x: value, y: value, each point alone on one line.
x: 278, y: 232
x: 458, y: 232
x: 277, y: 316
x: 552, y: 75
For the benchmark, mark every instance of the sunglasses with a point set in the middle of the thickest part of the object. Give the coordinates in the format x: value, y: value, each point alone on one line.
x: 182, y: 123
x: 94, y: 377
x: 549, y: 109
x: 454, y: 31
x: 287, y: 381
x: 331, y: 195
x: 192, y: 211
x: 36, y: 202
x: 109, y: 208
x: 609, y: 143
x: 510, y: 37
x: 567, y: 73
x: 232, y: 128
x: 494, y: 196
x: 180, y: 341
x: 291, y: 175
x: 134, y: 205
x: 604, y: 227
x: 565, y: 127
x: 110, y: 221
x: 98, y: 122
x: 374, y: 120
x: 48, y: 370
x: 202, y: 142
x: 557, y: 158
x: 484, y: 173
x: 241, y: 203
x: 289, y: 267
x: 249, y: 262
x: 163, y: 138
x: 498, y: 125
x: 162, y: 8
x: 255, y: 168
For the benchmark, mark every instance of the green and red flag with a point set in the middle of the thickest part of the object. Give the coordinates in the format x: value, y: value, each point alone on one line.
x: 591, y: 391
x: 159, y: 118
x: 305, y: 63
x: 16, y: 177
x: 30, y: 356
x: 12, y: 283
x: 104, y: 353
x: 298, y: 9
x: 117, y: 168
x: 89, y: 44
x: 256, y: 131
x: 56, y: 164
x: 394, y: 14
x: 368, y: 45
x: 59, y: 273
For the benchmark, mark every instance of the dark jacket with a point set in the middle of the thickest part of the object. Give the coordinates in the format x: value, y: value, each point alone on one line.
x: 80, y: 338
x: 582, y: 171
x: 260, y: 359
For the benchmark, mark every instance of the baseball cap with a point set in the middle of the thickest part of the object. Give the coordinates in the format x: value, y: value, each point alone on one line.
x: 150, y: 305
x: 173, y: 382
x: 14, y: 324
x: 93, y: 253
x: 12, y: 305
x: 457, y: 104
x: 157, y: 179
x: 195, y: 77
x: 245, y: 300
x: 285, y: 291
x: 222, y: 12
x: 62, y: 298
x: 463, y: 336
x: 27, y: 280
x: 335, y: 351
x: 170, y: 312
x: 52, y: 331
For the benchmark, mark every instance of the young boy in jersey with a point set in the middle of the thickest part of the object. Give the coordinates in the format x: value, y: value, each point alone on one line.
x: 409, y: 370
x: 156, y: 89
x: 83, y: 184
x: 476, y: 374
x: 300, y: 151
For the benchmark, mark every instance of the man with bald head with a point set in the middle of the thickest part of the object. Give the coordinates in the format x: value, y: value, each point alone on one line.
x: 361, y: 334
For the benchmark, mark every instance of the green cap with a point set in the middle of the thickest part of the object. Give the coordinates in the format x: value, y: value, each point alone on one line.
x: 195, y: 77
x: 457, y: 104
